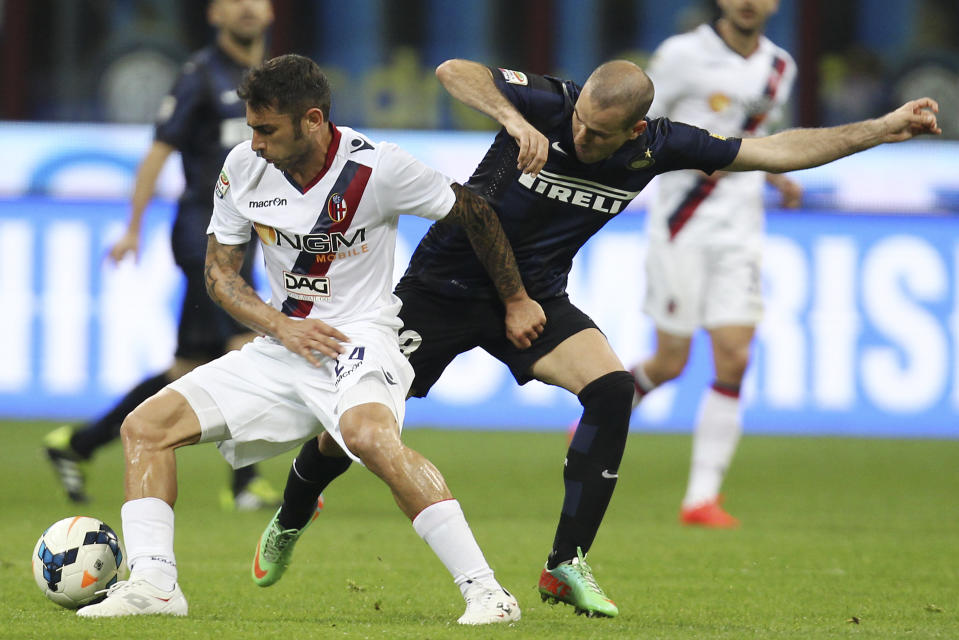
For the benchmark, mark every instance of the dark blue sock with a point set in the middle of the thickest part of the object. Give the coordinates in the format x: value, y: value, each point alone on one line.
x: 592, y: 463
x: 310, y: 473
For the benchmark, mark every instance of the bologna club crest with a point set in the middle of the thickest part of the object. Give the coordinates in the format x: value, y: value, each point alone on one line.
x: 336, y: 207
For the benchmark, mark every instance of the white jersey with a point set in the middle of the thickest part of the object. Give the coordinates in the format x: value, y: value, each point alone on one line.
x: 328, y: 248
x: 699, y: 80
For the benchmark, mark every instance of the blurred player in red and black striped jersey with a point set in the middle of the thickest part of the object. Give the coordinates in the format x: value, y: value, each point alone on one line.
x: 705, y: 232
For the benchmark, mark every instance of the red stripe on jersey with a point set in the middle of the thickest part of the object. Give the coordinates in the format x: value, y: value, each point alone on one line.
x: 351, y: 196
x: 688, y: 206
x: 330, y: 154
x: 772, y: 86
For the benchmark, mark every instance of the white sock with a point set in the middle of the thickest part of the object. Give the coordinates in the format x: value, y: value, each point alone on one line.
x: 443, y: 527
x: 148, y: 538
x: 641, y: 379
x: 714, y: 442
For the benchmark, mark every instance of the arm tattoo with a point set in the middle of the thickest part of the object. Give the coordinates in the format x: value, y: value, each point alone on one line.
x: 227, y: 287
x: 489, y: 241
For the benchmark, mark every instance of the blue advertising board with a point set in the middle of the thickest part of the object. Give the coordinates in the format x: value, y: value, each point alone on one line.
x: 859, y: 337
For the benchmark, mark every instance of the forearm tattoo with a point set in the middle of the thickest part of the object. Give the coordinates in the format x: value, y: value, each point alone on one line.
x: 227, y: 287
x: 489, y: 241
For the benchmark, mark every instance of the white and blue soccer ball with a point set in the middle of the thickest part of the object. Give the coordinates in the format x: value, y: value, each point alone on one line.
x: 75, y: 558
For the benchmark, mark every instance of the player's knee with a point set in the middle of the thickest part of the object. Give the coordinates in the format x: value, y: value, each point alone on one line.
x: 612, y: 392
x: 370, y: 441
x: 140, y: 430
x: 163, y: 421
x: 669, y: 369
x: 666, y: 364
x: 731, y: 364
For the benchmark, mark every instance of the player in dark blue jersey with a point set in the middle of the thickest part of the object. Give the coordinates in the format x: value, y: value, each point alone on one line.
x: 567, y: 160
x: 203, y: 118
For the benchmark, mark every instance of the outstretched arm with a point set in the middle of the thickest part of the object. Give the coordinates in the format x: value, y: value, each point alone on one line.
x: 228, y: 289
x: 804, y: 148
x: 524, y: 317
x: 143, y: 187
x: 471, y: 83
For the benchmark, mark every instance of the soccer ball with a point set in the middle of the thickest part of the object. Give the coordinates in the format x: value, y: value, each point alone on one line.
x: 76, y: 557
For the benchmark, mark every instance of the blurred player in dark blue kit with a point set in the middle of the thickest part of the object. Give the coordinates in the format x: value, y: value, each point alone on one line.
x: 567, y: 160
x: 203, y: 118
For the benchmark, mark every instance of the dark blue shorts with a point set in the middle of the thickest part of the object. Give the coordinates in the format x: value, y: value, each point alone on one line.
x: 438, y: 328
x: 205, y: 328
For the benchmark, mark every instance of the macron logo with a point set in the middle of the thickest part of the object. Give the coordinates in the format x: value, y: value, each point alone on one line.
x: 272, y: 202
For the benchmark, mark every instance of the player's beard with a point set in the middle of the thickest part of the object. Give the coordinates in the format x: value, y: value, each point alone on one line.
x: 298, y: 156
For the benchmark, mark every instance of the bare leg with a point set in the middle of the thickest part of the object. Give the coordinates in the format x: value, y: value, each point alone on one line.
x: 669, y: 359
x: 150, y: 435
x: 718, y: 428
x: 371, y: 433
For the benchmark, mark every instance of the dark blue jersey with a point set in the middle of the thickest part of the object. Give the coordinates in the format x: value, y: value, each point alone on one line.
x: 549, y: 217
x: 203, y: 118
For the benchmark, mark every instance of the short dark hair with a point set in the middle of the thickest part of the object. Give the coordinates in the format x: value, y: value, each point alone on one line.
x: 291, y: 84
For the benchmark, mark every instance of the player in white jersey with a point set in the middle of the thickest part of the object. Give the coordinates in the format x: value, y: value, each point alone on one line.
x: 324, y: 202
x: 705, y: 232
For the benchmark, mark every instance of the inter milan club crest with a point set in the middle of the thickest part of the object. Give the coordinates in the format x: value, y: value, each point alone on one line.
x: 336, y: 207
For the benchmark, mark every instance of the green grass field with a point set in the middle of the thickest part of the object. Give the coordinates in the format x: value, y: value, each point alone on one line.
x: 842, y: 538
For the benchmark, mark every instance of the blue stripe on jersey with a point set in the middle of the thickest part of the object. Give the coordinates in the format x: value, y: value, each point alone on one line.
x: 346, y: 191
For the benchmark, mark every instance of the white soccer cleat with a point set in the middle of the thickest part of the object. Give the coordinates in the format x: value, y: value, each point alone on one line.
x: 489, y: 606
x: 137, y: 598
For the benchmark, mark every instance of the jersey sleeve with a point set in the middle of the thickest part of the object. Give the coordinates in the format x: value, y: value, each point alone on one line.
x: 226, y: 223
x: 537, y: 98
x: 667, y: 71
x: 684, y: 146
x: 178, y: 109
x: 406, y: 186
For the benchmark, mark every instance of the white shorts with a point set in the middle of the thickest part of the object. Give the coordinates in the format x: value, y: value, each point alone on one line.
x: 262, y: 400
x: 689, y: 286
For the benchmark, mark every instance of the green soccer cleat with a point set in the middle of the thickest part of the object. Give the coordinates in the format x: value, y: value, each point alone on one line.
x: 66, y: 463
x: 573, y: 583
x: 275, y: 548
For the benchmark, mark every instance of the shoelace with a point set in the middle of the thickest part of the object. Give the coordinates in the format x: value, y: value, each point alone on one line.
x: 116, y: 586
x: 277, y: 542
x: 586, y: 573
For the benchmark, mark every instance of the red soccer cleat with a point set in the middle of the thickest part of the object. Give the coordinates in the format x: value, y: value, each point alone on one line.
x: 708, y: 514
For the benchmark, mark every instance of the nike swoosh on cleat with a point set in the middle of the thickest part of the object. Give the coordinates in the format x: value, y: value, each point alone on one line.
x: 257, y: 571
x: 607, y: 474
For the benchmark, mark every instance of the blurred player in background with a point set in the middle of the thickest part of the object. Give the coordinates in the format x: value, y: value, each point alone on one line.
x: 329, y: 358
x: 202, y: 118
x: 567, y: 159
x: 705, y: 232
